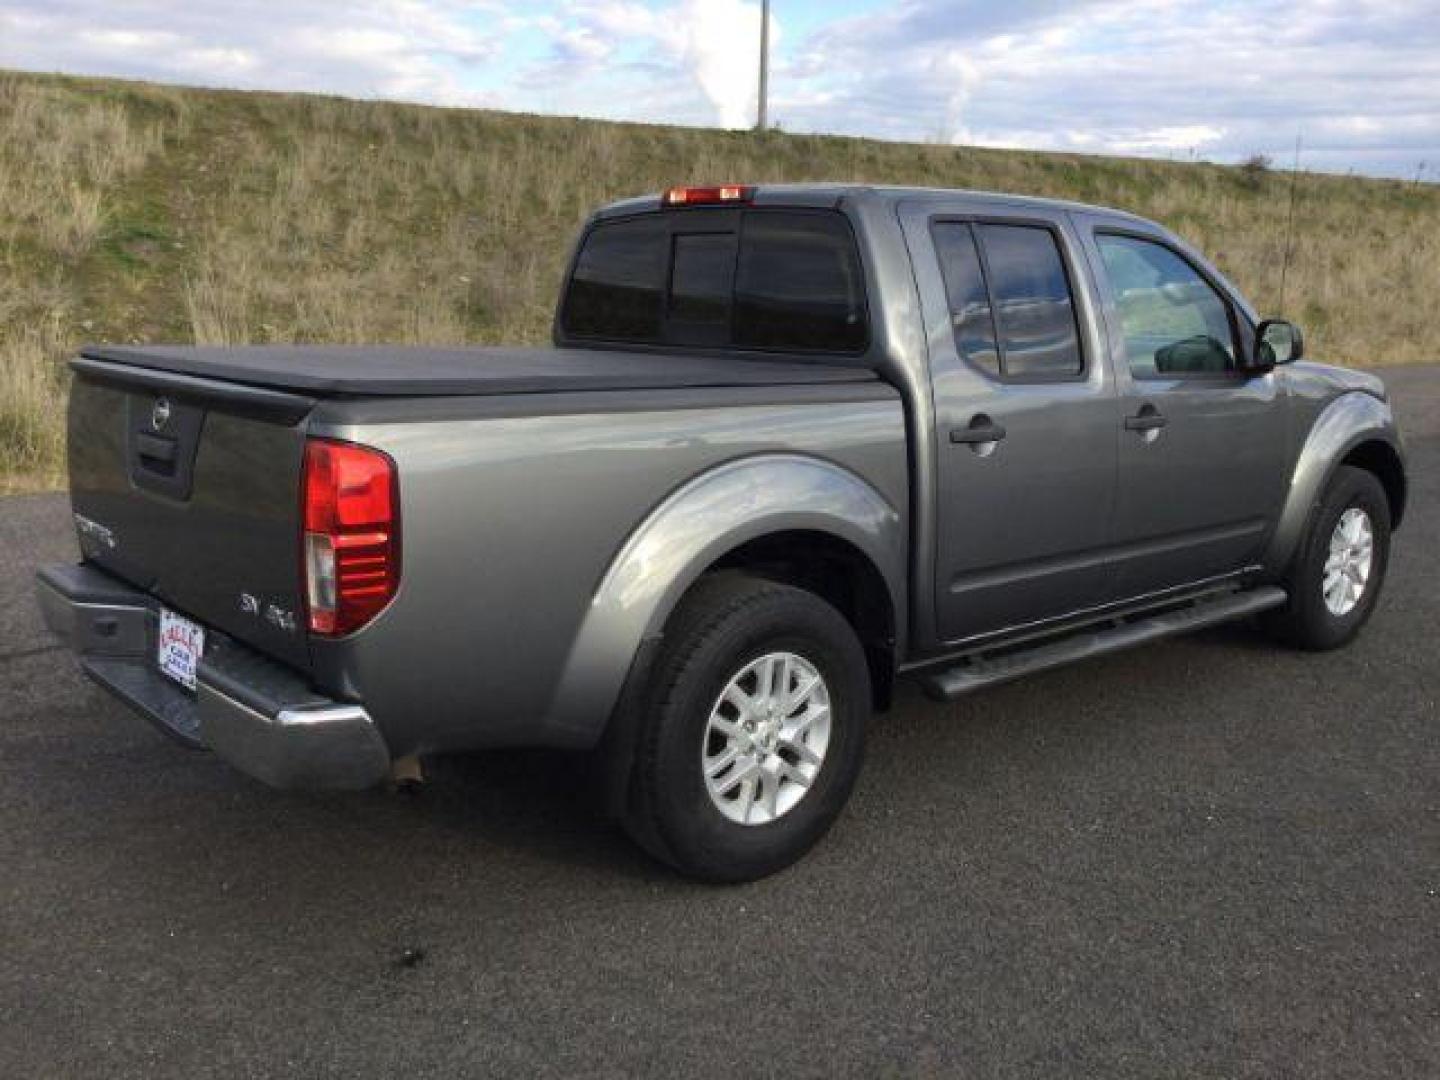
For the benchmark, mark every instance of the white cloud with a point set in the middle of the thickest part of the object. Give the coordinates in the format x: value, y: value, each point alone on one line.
x: 709, y: 46
x: 411, y: 48
x: 1360, y: 79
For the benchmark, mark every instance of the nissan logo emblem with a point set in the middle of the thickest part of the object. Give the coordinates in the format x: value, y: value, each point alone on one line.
x: 160, y: 413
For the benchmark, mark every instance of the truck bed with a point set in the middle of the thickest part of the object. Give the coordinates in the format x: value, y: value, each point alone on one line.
x: 420, y: 371
x: 185, y: 462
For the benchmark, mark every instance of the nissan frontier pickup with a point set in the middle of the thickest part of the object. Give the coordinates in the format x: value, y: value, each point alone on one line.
x: 792, y: 444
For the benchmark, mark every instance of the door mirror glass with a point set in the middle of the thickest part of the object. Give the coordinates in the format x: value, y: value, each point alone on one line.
x: 1277, y: 342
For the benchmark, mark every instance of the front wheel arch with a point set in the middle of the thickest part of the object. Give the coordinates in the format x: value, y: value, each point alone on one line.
x: 1306, y: 621
x: 1379, y: 457
x: 1357, y: 424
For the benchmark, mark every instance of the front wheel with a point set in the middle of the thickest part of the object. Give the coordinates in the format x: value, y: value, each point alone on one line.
x: 753, y: 732
x: 1335, y: 580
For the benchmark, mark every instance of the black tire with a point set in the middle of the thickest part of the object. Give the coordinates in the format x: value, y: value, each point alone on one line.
x: 1306, y: 622
x: 725, y: 622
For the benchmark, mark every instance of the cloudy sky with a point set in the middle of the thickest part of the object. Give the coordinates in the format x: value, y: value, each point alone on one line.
x: 1359, y: 80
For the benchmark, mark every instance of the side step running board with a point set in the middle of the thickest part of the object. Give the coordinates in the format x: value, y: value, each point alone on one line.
x: 975, y: 674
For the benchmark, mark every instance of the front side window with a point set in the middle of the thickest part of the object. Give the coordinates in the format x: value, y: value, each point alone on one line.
x: 1173, y: 321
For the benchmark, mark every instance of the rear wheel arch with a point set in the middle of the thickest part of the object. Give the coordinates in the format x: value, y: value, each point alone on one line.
x: 821, y: 563
x: 698, y: 525
x: 840, y: 574
x: 727, y: 519
x: 728, y: 624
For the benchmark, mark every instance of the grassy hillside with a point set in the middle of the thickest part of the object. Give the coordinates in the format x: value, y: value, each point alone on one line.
x: 131, y: 212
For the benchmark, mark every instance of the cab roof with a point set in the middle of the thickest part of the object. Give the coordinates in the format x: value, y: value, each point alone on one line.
x: 831, y: 195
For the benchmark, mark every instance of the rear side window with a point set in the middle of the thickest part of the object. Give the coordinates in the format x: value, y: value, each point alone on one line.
x: 1034, y: 311
x: 970, y: 313
x: 1011, y: 304
x: 759, y: 279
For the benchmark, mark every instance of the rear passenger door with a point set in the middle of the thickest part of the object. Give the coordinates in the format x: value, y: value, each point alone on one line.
x: 1025, y: 417
x: 1201, y: 442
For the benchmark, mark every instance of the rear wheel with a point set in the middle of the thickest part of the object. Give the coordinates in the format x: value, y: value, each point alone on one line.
x: 1335, y: 580
x: 753, y: 730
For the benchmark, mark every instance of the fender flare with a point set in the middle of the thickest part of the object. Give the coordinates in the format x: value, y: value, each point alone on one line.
x: 698, y: 523
x: 1348, y: 421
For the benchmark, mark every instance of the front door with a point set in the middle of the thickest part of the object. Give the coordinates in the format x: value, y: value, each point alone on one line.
x: 1025, y: 416
x: 1201, y: 443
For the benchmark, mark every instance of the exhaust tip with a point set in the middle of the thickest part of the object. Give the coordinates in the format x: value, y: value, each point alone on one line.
x: 407, y: 775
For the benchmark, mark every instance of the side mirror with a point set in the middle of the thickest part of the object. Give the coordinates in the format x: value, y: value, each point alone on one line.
x: 1277, y: 342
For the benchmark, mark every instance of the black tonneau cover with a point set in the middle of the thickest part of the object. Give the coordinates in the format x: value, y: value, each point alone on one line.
x: 421, y: 371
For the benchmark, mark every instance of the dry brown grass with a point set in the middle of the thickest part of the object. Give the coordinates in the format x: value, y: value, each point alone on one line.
x: 63, y: 156
x: 135, y: 212
x: 32, y: 404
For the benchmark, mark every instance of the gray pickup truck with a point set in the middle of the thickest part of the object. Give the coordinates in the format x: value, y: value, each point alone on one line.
x: 792, y: 444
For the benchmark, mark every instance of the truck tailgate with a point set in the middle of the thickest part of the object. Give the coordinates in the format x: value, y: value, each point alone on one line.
x: 189, y: 488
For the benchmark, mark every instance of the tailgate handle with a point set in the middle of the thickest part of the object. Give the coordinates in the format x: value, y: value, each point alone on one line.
x: 156, y: 449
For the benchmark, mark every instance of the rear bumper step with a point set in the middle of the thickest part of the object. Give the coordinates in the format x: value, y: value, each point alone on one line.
x: 976, y: 674
x: 258, y: 715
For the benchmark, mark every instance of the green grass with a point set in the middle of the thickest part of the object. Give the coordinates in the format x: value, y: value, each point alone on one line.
x: 131, y: 212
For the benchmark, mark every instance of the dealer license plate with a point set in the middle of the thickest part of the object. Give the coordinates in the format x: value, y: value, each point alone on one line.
x: 182, y: 643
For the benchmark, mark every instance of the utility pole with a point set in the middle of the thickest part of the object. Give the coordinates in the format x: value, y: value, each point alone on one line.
x: 764, y: 61
x: 1289, y: 223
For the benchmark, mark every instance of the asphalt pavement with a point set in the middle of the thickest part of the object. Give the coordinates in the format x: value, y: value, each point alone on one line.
x: 1209, y: 857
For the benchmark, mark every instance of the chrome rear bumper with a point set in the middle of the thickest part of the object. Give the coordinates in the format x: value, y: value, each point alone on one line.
x: 256, y: 714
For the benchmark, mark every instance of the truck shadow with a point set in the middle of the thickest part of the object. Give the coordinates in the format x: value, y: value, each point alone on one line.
x: 546, y: 804
x: 541, y: 803
x: 515, y: 827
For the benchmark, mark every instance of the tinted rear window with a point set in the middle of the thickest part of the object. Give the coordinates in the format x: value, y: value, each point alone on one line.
x: 1033, y: 309
x: 702, y: 277
x: 618, y: 287
x: 798, y: 285
x: 770, y: 279
x: 970, y: 313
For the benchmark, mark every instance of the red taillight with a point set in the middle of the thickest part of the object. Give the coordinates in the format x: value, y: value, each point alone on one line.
x: 703, y: 196
x: 352, y: 535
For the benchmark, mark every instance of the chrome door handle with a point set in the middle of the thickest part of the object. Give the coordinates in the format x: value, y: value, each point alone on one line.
x: 1145, y: 421
x: 981, y: 430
